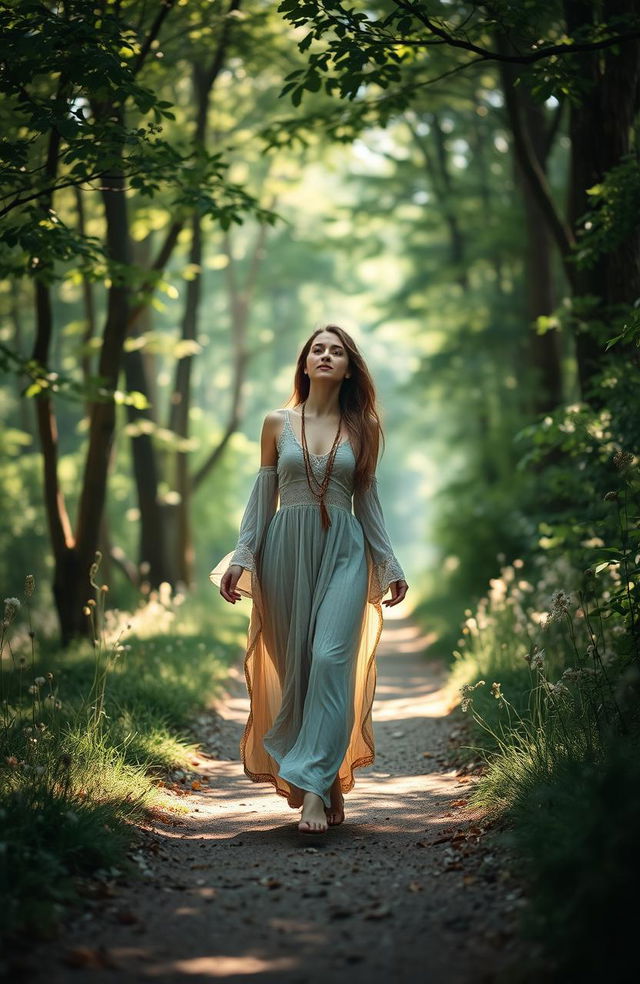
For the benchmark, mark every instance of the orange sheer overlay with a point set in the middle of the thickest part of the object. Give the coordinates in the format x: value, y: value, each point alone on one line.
x: 265, y: 692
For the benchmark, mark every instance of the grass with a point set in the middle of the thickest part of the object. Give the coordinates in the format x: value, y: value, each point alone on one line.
x: 85, y: 734
x: 551, y: 683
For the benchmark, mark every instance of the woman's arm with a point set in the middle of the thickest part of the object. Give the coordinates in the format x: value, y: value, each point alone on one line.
x: 386, y: 567
x: 259, y: 510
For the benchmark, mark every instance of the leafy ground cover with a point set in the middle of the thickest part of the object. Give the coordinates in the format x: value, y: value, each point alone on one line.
x: 87, y: 734
x: 548, y: 668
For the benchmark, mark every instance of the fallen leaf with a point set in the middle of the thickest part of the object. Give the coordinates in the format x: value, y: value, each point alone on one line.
x: 86, y: 956
x: 460, y: 802
x: 195, y: 785
x: 270, y: 882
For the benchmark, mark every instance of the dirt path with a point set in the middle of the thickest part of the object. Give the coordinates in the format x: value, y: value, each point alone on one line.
x: 233, y: 893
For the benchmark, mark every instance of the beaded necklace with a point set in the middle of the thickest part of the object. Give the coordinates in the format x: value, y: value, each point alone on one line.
x: 321, y: 487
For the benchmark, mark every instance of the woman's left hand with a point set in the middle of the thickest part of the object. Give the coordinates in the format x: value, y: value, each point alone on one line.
x: 398, y: 591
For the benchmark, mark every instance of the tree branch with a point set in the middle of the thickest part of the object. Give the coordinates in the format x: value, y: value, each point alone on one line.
x: 517, y: 59
x: 158, y: 265
x: 154, y: 30
x: 219, y: 56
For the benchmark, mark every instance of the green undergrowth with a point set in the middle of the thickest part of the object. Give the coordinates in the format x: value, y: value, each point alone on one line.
x: 548, y: 672
x: 86, y: 732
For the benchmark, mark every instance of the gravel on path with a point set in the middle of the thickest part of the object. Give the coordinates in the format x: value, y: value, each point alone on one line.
x: 410, y: 888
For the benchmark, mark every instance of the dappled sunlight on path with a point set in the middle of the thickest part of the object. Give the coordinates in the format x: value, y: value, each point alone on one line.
x: 231, y: 891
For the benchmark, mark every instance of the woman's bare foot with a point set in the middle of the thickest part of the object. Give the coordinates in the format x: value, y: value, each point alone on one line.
x: 335, y: 812
x: 313, y: 819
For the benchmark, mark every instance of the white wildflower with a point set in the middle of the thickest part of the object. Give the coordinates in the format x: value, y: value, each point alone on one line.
x: 11, y: 609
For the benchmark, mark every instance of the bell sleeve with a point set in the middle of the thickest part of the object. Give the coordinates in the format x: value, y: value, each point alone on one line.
x: 259, y: 512
x: 384, y: 563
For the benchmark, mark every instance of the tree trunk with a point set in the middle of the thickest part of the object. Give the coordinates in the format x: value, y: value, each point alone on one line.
x: 103, y: 415
x: 88, y: 300
x: 544, y: 350
x: 601, y: 129
x: 152, y: 544
x: 178, y: 516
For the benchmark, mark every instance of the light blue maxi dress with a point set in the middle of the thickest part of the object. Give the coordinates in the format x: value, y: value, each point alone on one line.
x: 315, y: 622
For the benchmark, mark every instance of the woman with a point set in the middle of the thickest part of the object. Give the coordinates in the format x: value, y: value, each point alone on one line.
x: 316, y: 572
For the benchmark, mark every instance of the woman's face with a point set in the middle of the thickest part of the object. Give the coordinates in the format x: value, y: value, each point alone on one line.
x: 327, y: 357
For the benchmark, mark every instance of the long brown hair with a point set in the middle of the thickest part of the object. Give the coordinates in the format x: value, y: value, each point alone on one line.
x: 357, y: 399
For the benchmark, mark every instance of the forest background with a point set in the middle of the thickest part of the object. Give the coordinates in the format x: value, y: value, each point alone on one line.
x: 187, y: 191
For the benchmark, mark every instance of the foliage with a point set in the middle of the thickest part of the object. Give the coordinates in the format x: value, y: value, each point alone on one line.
x: 81, y: 738
x: 355, y: 46
x: 67, y: 77
x: 560, y: 728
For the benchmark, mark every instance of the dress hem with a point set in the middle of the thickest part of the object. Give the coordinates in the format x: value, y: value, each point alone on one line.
x: 347, y: 783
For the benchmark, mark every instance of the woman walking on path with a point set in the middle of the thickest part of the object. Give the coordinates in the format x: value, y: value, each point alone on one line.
x: 316, y: 572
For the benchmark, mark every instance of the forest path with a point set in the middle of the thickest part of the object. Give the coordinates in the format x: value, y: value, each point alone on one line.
x: 403, y: 891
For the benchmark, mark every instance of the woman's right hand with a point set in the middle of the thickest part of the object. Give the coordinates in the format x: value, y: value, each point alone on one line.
x: 228, y: 583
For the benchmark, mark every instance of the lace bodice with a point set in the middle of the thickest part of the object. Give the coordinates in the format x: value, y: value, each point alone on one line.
x: 288, y: 481
x: 292, y: 476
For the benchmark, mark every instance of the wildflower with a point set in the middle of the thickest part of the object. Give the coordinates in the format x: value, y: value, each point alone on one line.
x: 558, y: 690
x: 40, y: 681
x: 12, y: 761
x: 535, y: 657
x: 622, y: 459
x: 86, y: 610
x: 58, y: 705
x: 29, y: 585
x: 33, y: 689
x: 11, y: 608
x: 611, y: 496
x: 22, y: 660
x: 560, y: 602
x: 571, y: 674
x: 559, y: 607
x: 466, y: 704
x: 49, y: 676
x: 496, y: 691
